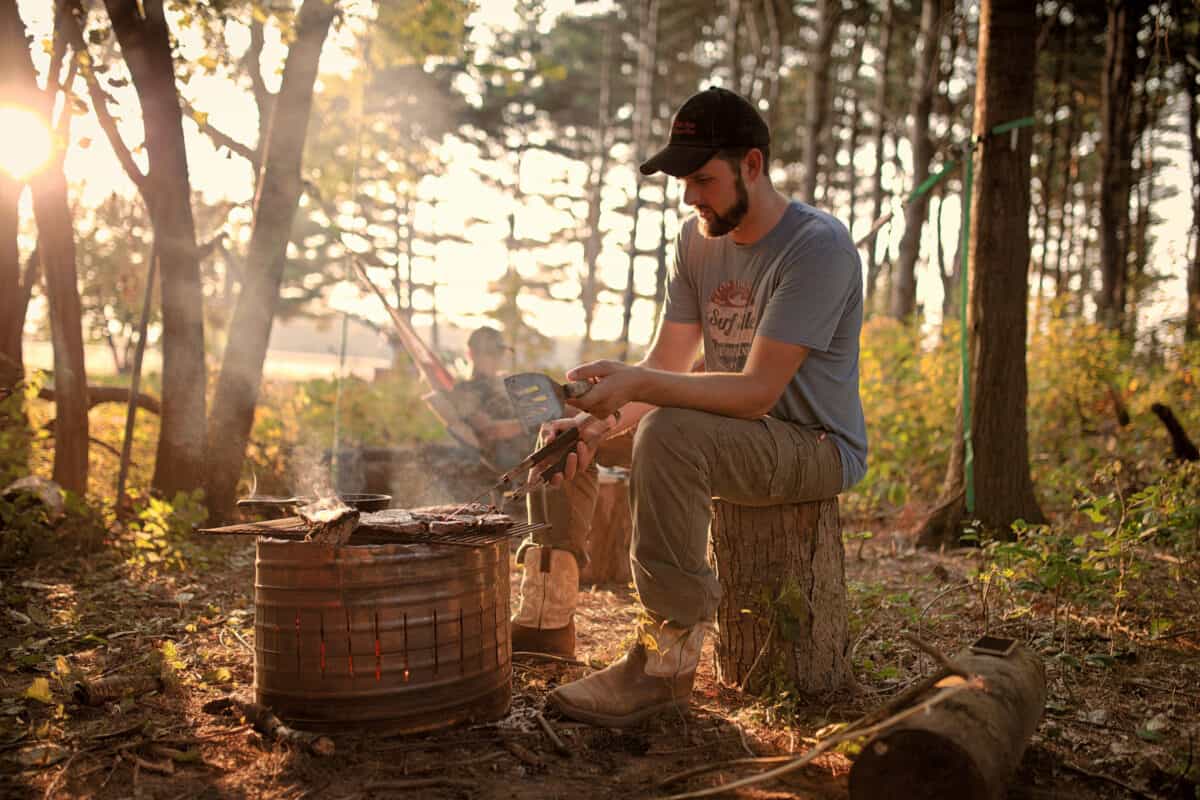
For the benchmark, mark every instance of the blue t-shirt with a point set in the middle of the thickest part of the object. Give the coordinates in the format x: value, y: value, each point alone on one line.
x: 800, y: 284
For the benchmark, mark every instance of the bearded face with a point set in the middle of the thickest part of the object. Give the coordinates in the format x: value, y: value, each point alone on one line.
x: 716, y: 223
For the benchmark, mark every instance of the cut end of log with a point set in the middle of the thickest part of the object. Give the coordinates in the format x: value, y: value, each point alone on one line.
x: 915, y: 765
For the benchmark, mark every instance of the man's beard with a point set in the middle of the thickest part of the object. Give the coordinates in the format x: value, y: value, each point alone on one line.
x: 721, y: 224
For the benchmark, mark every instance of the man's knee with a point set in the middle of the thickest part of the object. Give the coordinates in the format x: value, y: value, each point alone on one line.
x: 669, y: 429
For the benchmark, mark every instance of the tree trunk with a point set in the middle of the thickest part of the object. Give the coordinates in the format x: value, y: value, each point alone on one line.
x: 817, y: 98
x: 1049, y: 173
x: 969, y: 745
x: 275, y: 208
x: 56, y: 249
x: 598, y: 164
x: 882, y: 71
x: 904, y: 285
x: 1066, y: 216
x: 1191, y: 331
x: 141, y: 29
x: 609, y: 535
x: 855, y: 124
x: 1116, y: 154
x: 642, y: 111
x: 791, y: 556
x: 999, y: 253
x: 12, y: 317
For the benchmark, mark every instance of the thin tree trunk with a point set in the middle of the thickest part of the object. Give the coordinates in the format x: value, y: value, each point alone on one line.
x: 775, y: 45
x: 817, y: 99
x: 660, y: 273
x: 1116, y: 151
x: 1143, y: 197
x: 999, y: 250
x: 854, y: 122
x: 647, y: 51
x: 733, y: 17
x: 141, y: 29
x: 275, y: 208
x: 882, y: 71
x: 1085, y: 267
x: 56, y: 243
x: 596, y: 174
x: 12, y: 317
x: 1048, y: 175
x: 1066, y: 218
x: 56, y: 252
x: 904, y: 286
x: 1192, y: 318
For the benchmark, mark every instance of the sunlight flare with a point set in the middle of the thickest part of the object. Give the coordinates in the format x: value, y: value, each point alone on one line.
x: 27, y: 142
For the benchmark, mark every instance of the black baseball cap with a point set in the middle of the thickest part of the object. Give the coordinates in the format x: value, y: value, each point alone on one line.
x: 707, y: 123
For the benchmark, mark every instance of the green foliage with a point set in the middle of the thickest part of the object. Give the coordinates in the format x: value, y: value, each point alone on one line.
x: 909, y: 394
x: 1077, y: 372
x: 162, y: 537
x: 30, y: 530
x: 1098, y: 555
x: 16, y: 435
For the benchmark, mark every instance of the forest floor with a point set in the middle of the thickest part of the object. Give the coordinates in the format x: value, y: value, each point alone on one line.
x: 1120, y: 720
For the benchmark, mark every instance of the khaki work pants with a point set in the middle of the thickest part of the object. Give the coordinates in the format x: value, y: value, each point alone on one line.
x: 680, y: 460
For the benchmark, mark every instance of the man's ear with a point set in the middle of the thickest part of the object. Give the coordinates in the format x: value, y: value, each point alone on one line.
x: 753, y: 163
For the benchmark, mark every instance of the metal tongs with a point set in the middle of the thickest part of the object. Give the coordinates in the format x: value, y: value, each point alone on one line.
x: 523, y: 478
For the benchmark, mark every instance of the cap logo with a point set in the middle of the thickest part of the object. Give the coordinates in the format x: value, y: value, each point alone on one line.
x: 684, y: 126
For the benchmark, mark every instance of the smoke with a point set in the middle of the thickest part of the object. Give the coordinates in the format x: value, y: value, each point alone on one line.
x: 310, y: 474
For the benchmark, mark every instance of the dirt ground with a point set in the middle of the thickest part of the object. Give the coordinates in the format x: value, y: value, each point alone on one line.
x: 1121, y: 718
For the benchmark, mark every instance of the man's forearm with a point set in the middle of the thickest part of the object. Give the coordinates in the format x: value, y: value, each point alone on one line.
x: 731, y: 394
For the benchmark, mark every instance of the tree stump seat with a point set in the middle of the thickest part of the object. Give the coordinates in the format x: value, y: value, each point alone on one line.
x: 611, y: 532
x: 784, y: 613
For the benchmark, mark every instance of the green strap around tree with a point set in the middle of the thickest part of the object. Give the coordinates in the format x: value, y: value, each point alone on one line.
x: 965, y: 234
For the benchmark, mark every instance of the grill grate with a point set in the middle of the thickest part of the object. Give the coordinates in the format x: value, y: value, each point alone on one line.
x: 467, y: 538
x: 375, y: 529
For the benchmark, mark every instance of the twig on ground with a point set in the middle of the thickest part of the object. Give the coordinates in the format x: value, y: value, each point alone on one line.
x: 735, y: 762
x: 558, y: 743
x: 165, y: 768
x: 58, y: 777
x: 761, y: 651
x: 742, y: 738
x: 441, y: 765
x: 419, y: 783
x: 826, y: 744
x: 524, y: 754
x: 1136, y: 792
x: 931, y: 651
x: 241, y: 639
x: 533, y: 655
x: 1174, y: 634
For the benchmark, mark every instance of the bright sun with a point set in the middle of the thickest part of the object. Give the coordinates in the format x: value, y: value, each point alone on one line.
x: 26, y: 140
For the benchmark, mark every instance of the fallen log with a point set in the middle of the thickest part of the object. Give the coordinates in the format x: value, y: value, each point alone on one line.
x: 109, y: 394
x: 270, y: 726
x: 966, y: 747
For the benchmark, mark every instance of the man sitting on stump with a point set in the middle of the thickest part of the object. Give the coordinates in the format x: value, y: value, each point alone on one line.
x: 772, y: 290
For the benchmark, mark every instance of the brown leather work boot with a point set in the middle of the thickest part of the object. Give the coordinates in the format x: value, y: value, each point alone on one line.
x: 623, y: 694
x: 545, y: 619
x: 553, y: 641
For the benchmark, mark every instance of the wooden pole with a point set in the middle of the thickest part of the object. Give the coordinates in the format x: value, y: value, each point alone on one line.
x: 135, y: 379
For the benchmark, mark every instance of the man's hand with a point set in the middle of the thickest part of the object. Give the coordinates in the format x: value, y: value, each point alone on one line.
x: 615, y: 384
x: 591, y: 433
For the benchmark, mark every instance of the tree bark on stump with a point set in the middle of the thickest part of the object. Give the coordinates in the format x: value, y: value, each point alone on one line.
x: 967, y: 746
x: 783, y: 615
x: 610, y: 535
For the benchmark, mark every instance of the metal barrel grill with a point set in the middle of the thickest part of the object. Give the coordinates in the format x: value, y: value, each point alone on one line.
x: 404, y: 636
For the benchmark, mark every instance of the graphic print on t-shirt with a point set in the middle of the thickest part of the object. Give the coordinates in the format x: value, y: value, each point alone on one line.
x: 731, y: 321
